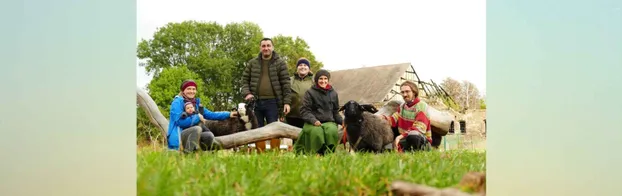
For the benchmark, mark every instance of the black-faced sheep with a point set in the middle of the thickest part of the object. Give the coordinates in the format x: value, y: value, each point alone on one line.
x: 365, y: 131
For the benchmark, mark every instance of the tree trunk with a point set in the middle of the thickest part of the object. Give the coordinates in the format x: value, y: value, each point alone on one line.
x: 270, y: 131
x: 153, y: 112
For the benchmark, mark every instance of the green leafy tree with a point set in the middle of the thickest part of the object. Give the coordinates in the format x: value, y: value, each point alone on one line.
x: 217, y: 54
x: 165, y: 86
x: 196, y: 45
x: 178, y: 44
x: 291, y: 49
x: 240, y: 43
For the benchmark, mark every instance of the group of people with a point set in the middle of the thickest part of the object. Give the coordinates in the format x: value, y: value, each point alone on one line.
x: 305, y: 100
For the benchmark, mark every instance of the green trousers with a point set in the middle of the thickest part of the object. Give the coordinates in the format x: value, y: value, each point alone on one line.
x: 317, y: 139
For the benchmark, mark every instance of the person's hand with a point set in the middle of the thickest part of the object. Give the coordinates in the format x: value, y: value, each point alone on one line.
x: 397, y: 141
x: 317, y: 123
x: 202, y: 119
x: 233, y: 114
x: 282, y: 119
x: 248, y: 97
x: 201, y: 109
x: 286, y: 109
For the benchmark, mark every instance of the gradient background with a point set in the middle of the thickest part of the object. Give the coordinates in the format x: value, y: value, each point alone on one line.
x: 68, y: 83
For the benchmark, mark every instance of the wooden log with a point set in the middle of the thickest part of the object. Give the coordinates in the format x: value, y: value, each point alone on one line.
x: 270, y: 131
x: 153, y: 112
x: 440, y: 121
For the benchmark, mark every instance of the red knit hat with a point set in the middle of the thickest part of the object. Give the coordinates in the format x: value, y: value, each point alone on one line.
x: 187, y: 83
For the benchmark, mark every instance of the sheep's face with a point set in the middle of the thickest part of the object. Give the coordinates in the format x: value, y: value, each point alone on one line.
x: 352, y: 109
x: 238, y: 121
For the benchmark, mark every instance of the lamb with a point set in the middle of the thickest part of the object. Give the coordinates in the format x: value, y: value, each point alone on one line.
x: 365, y: 131
x: 234, y: 125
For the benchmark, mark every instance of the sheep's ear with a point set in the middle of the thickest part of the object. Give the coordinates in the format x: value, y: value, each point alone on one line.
x: 369, y: 108
x: 342, y: 107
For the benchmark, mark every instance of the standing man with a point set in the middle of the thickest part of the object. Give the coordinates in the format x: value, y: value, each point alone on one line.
x: 302, y: 80
x: 266, y: 79
x: 413, y: 122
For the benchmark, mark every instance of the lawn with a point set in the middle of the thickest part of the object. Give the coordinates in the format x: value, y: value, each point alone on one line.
x: 169, y: 173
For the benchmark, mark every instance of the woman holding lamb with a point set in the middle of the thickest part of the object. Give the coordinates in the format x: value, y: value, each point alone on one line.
x: 319, y: 111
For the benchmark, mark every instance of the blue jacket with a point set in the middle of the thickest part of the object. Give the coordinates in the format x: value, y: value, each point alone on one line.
x: 175, y: 122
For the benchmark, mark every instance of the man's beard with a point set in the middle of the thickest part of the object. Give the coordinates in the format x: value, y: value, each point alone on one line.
x: 407, y: 100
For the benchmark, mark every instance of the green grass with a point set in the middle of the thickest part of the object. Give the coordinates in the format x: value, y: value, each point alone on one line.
x: 169, y: 173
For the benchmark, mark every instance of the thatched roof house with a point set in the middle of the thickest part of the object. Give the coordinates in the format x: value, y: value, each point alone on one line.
x: 371, y: 85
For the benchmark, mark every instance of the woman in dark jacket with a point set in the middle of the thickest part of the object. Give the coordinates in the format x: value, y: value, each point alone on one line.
x: 319, y: 110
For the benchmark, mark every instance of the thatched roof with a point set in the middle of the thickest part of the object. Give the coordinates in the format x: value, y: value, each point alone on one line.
x: 367, y: 85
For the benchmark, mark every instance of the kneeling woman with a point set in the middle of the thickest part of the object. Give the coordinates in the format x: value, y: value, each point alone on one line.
x: 319, y: 110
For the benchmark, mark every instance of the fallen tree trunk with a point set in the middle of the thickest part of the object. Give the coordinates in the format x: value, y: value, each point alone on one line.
x: 270, y: 131
x: 440, y: 121
x: 153, y: 112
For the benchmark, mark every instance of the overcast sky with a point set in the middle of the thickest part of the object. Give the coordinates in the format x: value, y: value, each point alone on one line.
x: 440, y: 38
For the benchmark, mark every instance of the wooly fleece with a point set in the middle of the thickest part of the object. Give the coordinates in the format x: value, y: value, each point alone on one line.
x: 372, y: 134
x: 234, y: 125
